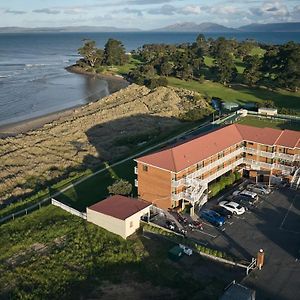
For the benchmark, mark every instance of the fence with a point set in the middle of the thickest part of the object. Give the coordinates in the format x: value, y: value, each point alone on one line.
x: 68, y: 209
x: 275, y: 117
x: 25, y: 211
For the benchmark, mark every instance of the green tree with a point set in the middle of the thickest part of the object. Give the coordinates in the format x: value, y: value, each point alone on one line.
x: 252, y: 73
x: 114, y: 53
x: 224, y: 68
x: 244, y: 49
x: 288, y: 66
x: 166, y: 69
x: 120, y: 187
x: 91, y: 54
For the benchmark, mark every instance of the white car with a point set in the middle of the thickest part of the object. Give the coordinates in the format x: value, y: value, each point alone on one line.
x: 188, y: 251
x: 234, y: 207
x: 260, y: 189
x: 245, y: 193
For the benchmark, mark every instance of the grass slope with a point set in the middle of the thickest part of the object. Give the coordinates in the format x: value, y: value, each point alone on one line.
x: 51, y: 254
x: 277, y: 124
x: 240, y: 94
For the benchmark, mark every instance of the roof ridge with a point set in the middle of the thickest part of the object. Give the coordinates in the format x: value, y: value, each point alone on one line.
x: 173, y: 159
x: 282, y: 131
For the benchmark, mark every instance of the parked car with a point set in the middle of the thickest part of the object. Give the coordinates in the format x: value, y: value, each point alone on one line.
x: 246, y: 203
x: 246, y: 194
x: 212, y: 217
x: 171, y: 225
x: 188, y: 251
x: 258, y: 188
x: 243, y: 198
x: 222, y: 211
x: 234, y: 207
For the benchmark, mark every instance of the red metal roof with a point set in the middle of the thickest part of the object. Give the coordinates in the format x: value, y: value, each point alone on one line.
x: 120, y: 207
x: 187, y: 154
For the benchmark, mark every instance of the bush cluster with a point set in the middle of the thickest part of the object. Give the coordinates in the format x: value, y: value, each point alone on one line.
x: 224, y: 181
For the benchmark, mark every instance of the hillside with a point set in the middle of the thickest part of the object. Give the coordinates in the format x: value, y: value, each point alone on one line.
x: 96, y: 133
x: 193, y: 27
x: 272, y: 27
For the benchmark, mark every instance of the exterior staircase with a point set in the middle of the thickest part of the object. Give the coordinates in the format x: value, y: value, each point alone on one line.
x: 295, y: 183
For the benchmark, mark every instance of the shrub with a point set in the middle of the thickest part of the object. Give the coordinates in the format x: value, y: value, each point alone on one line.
x: 120, y: 187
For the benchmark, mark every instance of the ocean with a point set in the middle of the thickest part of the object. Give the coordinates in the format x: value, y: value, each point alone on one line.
x: 33, y: 79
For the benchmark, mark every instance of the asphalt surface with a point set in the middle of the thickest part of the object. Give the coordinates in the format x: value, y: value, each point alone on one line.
x: 274, y: 226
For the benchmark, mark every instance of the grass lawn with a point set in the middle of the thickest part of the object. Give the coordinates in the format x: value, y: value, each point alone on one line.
x: 95, y: 188
x: 240, y: 94
x: 258, y: 122
x: 51, y: 254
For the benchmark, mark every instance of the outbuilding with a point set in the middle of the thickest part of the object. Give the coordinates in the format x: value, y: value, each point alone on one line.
x: 118, y: 214
x: 267, y: 111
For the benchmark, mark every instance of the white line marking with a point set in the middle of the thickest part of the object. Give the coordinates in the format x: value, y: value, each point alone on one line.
x: 206, y: 233
x: 288, y: 211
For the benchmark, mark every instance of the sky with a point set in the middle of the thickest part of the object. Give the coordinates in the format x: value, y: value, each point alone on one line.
x: 145, y: 14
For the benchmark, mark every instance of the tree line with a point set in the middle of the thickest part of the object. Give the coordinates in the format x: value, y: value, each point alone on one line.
x: 278, y: 66
x: 93, y: 57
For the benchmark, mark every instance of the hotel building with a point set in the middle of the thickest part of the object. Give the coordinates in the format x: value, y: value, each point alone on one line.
x: 177, y: 176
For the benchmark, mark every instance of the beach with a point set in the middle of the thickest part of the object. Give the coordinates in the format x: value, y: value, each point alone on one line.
x: 115, y: 83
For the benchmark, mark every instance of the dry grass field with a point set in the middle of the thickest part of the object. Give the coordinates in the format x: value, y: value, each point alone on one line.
x: 101, y: 131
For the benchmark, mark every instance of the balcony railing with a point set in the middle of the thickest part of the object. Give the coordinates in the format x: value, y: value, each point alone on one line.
x: 259, y: 152
x: 286, y: 156
x: 135, y: 170
x: 269, y: 166
x: 198, y: 173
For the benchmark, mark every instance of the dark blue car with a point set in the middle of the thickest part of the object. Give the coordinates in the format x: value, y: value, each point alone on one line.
x: 212, y: 217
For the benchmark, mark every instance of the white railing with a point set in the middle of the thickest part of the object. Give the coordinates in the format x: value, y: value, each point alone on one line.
x: 268, y: 165
x: 135, y: 170
x: 225, y: 170
x: 296, y: 179
x: 260, y: 152
x: 136, y: 183
x: 195, y: 174
x: 68, y: 209
x: 286, y: 156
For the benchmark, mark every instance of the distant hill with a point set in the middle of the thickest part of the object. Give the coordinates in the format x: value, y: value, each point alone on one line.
x: 193, y: 27
x: 272, y: 27
x: 66, y: 29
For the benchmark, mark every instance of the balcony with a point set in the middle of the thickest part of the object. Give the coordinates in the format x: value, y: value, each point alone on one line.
x: 135, y: 170
x: 136, y: 183
x: 259, y: 152
x: 286, y: 156
x: 269, y: 166
x: 187, y: 181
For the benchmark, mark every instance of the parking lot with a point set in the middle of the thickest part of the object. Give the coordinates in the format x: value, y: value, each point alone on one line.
x: 273, y: 225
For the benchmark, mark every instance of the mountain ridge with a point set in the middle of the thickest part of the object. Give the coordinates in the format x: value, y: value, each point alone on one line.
x: 204, y: 27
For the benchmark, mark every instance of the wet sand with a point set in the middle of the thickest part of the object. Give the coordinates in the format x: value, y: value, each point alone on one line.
x: 115, y: 83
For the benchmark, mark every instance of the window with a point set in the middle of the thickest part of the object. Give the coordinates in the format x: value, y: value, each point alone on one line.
x: 131, y: 224
x: 249, y: 143
x: 145, y: 168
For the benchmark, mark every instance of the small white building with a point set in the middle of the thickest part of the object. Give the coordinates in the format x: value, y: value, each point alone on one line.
x: 118, y: 214
x: 267, y: 111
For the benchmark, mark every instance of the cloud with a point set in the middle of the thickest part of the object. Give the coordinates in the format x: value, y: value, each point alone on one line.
x: 191, y: 10
x: 145, y: 2
x: 170, y: 10
x: 74, y: 10
x: 133, y: 11
x: 272, y: 9
x: 167, y: 9
x: 47, y: 11
x: 15, y: 12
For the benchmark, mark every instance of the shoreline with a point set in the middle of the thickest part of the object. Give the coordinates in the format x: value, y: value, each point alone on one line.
x: 20, y: 127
